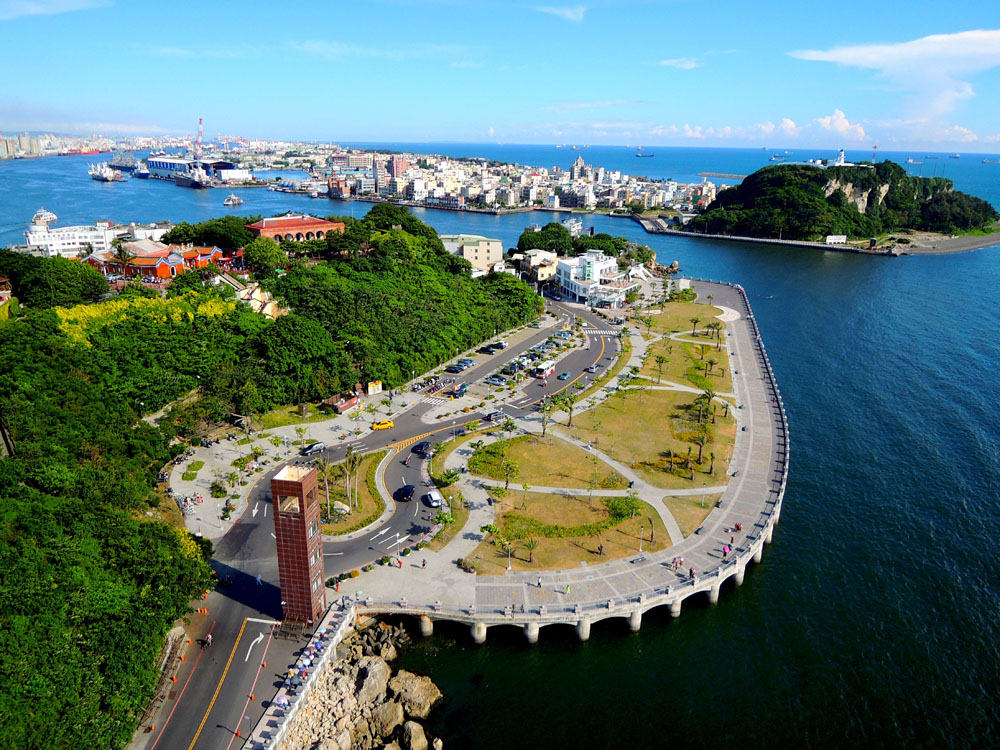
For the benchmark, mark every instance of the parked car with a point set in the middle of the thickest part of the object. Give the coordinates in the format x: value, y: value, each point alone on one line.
x: 486, y: 350
x: 434, y: 499
x: 499, y: 345
x: 496, y: 416
x: 383, y: 424
x: 405, y: 493
x: 313, y: 448
x: 424, y: 449
x: 496, y: 380
x: 563, y: 376
x: 453, y: 369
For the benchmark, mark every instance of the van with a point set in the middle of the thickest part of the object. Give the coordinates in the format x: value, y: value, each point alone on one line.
x: 313, y: 449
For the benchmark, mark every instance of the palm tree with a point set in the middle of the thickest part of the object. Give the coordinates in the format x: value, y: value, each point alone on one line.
x: 660, y: 361
x: 531, y: 544
x: 546, y: 414
x: 566, y: 404
x: 121, y: 254
x: 711, y: 466
x: 700, y: 439
x: 511, y: 470
x: 709, y: 364
x: 694, y: 325
x: 323, y: 470
x: 670, y: 461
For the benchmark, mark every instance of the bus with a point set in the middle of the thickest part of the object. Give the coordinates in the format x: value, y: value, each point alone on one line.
x: 544, y: 370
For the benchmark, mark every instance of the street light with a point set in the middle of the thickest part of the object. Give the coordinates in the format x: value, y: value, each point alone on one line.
x: 397, y: 545
x: 640, y: 536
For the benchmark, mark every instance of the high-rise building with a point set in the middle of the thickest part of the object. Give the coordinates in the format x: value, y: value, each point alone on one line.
x: 299, y: 538
x: 398, y: 165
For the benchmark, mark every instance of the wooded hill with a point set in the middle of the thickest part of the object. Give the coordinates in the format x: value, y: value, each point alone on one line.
x: 90, y: 584
x: 803, y: 202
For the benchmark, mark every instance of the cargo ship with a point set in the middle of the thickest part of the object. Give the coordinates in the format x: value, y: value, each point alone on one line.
x: 104, y: 173
x: 192, y: 177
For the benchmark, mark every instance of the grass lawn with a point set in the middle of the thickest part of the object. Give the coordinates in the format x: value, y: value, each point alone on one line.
x: 687, y: 510
x: 685, y: 365
x: 619, y: 541
x: 676, y: 316
x: 549, y: 462
x: 189, y: 476
x: 369, y: 504
x: 284, y: 416
x: 639, y: 433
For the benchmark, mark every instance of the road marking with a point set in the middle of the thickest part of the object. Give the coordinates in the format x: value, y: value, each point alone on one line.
x: 262, y: 621
x: 332, y: 554
x: 179, y: 697
x: 380, y: 533
x: 255, y: 509
x: 273, y: 536
x: 257, y: 640
x: 399, y: 541
x: 211, y: 703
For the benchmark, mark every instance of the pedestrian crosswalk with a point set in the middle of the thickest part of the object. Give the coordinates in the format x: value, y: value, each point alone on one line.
x: 436, y: 400
x: 601, y: 331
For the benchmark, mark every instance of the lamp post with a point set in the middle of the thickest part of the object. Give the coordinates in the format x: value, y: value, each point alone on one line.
x: 397, y: 545
x: 641, y: 528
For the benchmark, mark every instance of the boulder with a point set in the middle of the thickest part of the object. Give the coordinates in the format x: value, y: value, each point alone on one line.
x: 387, y: 651
x: 386, y: 718
x: 417, y: 693
x: 414, y: 737
x: 341, y: 508
x: 437, y: 744
x: 373, y: 676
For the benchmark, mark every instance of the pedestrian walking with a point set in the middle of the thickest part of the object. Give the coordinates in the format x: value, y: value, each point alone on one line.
x: 539, y: 581
x: 691, y: 573
x: 725, y: 551
x: 423, y: 563
x: 208, y: 640
x: 567, y: 588
x: 258, y: 580
x: 400, y: 562
x: 732, y: 540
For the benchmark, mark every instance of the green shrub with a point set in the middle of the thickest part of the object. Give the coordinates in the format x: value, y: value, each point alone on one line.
x: 189, y: 476
x: 196, y: 466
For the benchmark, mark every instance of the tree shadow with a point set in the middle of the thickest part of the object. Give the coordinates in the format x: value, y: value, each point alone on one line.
x: 243, y: 588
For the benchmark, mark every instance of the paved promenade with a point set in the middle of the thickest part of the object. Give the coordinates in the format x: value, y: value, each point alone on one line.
x: 625, y: 587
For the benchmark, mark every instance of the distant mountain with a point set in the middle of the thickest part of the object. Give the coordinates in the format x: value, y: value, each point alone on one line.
x: 804, y: 202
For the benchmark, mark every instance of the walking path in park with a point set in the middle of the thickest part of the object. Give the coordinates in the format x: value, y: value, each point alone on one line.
x: 747, y: 510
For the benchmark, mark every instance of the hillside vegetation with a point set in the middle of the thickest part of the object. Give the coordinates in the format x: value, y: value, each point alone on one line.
x: 91, y: 583
x: 803, y: 202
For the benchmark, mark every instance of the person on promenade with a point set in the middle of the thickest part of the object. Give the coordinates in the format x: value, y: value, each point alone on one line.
x: 208, y: 640
x: 539, y: 581
x: 691, y: 573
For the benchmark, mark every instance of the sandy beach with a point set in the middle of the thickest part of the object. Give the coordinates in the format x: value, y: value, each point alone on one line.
x: 926, y: 243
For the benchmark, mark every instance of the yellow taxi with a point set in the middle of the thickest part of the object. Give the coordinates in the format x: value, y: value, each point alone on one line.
x: 383, y: 424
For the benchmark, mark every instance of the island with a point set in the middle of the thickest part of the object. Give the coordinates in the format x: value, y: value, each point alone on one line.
x: 842, y: 203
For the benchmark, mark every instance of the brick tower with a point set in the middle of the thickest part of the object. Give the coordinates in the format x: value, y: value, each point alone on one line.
x: 300, y: 543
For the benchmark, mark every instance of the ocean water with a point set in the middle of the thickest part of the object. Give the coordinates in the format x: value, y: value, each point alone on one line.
x: 874, y: 619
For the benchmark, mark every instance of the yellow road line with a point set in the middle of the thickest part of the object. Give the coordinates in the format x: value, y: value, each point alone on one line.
x: 219, y: 687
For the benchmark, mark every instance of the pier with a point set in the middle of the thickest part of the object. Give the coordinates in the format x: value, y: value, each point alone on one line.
x: 628, y: 588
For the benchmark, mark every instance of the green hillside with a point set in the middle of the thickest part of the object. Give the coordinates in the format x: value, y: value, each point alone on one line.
x: 803, y: 202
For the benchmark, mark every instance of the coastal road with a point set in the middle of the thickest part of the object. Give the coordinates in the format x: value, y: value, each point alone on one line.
x: 211, y: 699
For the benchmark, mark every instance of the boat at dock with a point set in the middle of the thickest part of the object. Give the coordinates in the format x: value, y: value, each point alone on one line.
x: 104, y: 173
x: 233, y: 200
x: 141, y: 172
x: 192, y: 177
x: 124, y: 161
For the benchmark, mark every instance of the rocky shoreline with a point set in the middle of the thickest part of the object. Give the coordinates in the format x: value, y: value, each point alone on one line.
x: 358, y: 704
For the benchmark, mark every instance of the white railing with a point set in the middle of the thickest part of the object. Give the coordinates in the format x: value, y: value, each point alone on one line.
x: 271, y: 729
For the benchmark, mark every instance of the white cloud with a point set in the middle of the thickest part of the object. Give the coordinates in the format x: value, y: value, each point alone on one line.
x: 574, y: 13
x: 932, y: 68
x: 19, y: 8
x: 839, y: 124
x: 664, y: 130
x: 958, y: 134
x: 992, y: 138
x: 695, y: 132
x: 788, y: 127
x: 683, y: 63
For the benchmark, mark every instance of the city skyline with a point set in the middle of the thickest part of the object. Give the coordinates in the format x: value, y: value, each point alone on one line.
x: 650, y: 73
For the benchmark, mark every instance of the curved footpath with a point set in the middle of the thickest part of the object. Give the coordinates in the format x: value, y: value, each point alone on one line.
x: 627, y: 587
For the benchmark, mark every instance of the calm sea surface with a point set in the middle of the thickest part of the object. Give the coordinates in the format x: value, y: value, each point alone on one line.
x: 875, y: 617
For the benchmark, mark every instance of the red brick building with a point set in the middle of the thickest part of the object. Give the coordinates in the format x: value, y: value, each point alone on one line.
x: 299, y: 538
x: 295, y: 227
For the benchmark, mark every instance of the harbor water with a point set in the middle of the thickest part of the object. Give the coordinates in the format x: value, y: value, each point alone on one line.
x: 874, y: 618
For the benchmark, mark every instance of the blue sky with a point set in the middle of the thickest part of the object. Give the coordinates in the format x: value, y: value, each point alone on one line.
x: 899, y: 73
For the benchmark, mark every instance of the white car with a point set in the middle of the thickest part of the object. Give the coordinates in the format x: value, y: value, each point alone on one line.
x: 434, y: 499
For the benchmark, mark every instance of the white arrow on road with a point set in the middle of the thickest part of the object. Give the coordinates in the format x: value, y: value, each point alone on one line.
x: 401, y: 540
x: 255, y: 509
x: 378, y: 535
x: 256, y: 641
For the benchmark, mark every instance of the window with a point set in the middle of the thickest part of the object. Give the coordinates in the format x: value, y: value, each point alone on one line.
x: 313, y: 528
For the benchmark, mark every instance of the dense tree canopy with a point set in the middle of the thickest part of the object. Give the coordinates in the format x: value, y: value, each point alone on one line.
x: 798, y: 201
x: 226, y: 232
x: 51, y: 282
x: 553, y: 236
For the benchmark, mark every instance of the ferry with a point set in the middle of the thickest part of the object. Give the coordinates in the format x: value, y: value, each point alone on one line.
x: 775, y: 157
x: 104, y: 173
x: 233, y: 200
x: 141, y: 172
x: 911, y: 160
x: 955, y: 156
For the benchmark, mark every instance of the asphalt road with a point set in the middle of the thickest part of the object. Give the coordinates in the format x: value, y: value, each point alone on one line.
x: 211, y: 699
